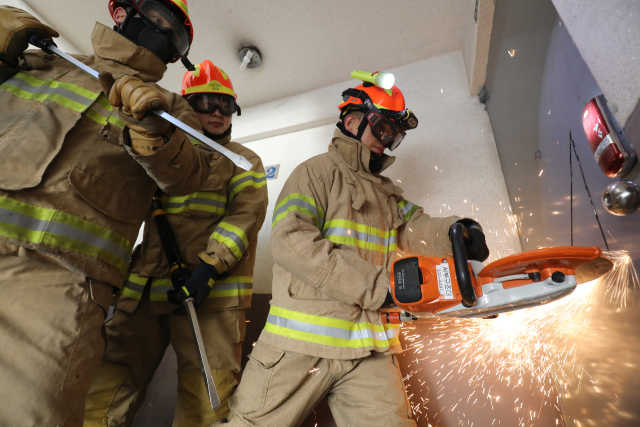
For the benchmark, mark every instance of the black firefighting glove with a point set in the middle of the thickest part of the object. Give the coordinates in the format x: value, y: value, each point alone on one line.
x: 197, y: 287
x: 474, y: 240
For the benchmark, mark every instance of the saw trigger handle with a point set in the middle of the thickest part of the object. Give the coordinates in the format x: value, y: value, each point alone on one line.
x: 461, y: 265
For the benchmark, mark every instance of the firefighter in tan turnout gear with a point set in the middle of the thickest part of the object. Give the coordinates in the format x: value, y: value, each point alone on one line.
x: 80, y: 163
x: 216, y: 230
x: 336, y: 226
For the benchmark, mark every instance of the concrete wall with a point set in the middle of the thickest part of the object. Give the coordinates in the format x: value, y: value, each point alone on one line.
x: 449, y: 165
x: 607, y: 35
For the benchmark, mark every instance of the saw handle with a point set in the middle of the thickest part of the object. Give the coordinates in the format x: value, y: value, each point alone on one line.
x: 463, y: 275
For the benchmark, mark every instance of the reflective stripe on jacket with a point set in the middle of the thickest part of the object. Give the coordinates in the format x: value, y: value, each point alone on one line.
x: 336, y: 228
x: 232, y: 286
x: 71, y: 189
x: 218, y: 224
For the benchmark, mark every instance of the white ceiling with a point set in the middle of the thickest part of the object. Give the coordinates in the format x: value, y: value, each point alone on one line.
x: 305, y: 44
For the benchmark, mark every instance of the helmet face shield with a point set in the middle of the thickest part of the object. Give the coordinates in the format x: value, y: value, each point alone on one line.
x: 208, y: 102
x: 385, y: 130
x: 164, y: 20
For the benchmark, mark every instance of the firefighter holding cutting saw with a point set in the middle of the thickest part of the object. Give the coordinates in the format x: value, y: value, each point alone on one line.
x: 336, y: 226
x: 81, y: 160
x: 216, y: 231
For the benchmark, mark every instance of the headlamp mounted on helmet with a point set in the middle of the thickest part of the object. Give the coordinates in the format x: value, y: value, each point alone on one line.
x: 209, y: 102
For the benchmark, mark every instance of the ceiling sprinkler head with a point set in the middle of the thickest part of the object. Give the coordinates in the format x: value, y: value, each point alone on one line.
x: 250, y: 57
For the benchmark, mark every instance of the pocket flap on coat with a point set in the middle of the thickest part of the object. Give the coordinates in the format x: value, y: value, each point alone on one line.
x: 265, y: 355
x: 30, y: 142
x: 106, y: 198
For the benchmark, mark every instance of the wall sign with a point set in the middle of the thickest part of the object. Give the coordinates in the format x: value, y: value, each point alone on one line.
x: 272, y: 171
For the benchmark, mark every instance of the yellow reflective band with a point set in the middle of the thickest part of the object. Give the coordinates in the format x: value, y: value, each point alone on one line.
x: 68, y: 95
x: 297, y: 202
x: 186, y: 291
x: 29, y: 223
x: 244, y: 180
x: 134, y: 286
x: 211, y: 87
x: 407, y: 209
x: 201, y: 201
x: 102, y: 113
x: 328, y: 331
x: 347, y: 232
x: 182, y: 5
x: 231, y: 236
x: 232, y: 286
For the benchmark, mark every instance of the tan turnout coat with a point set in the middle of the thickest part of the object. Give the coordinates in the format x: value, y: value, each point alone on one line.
x: 218, y: 224
x: 336, y: 227
x: 71, y: 189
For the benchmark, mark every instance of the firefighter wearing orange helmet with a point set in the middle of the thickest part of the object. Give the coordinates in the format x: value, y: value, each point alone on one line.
x: 216, y: 231
x: 81, y: 159
x: 336, y: 226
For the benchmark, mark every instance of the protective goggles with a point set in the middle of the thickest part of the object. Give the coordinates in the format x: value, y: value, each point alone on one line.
x: 385, y: 130
x: 164, y: 20
x: 209, y: 102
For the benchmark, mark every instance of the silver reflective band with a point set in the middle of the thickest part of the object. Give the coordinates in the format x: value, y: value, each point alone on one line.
x: 233, y: 236
x: 406, y: 208
x: 217, y: 286
x: 329, y: 331
x: 194, y: 201
x: 257, y: 180
x: 46, y: 90
x: 359, y: 235
x: 133, y: 286
x: 52, y: 227
x: 297, y: 202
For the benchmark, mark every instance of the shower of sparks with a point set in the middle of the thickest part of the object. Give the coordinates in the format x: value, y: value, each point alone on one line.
x: 520, y: 358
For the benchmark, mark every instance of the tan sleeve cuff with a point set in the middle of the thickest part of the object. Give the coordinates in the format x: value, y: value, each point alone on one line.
x: 204, y: 257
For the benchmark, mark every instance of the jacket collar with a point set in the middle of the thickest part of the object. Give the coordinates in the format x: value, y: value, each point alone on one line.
x: 108, y: 45
x: 355, y: 153
x: 223, y: 140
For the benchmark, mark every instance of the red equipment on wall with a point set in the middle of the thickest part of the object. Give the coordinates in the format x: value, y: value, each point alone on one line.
x: 610, y: 148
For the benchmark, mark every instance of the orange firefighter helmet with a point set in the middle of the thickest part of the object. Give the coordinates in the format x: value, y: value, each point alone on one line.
x: 208, y: 87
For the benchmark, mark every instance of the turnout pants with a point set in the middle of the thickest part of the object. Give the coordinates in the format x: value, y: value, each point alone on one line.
x: 280, y: 388
x: 51, y: 341
x: 136, y: 343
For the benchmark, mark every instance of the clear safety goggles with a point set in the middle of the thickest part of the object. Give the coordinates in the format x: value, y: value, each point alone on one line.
x: 385, y: 130
x: 164, y: 20
x: 209, y: 102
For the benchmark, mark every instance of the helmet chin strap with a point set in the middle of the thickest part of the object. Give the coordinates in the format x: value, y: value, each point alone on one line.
x: 361, y: 128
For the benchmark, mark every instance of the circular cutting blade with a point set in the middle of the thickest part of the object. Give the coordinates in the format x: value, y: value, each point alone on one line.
x: 594, y: 269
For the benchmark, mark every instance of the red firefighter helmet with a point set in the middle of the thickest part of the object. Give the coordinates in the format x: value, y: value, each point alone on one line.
x: 161, y: 13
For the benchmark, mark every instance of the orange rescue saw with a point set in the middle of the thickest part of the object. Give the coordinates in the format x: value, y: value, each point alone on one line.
x: 425, y: 286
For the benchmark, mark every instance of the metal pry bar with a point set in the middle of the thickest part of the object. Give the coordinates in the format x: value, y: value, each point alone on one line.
x: 49, y: 46
x: 202, y: 355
